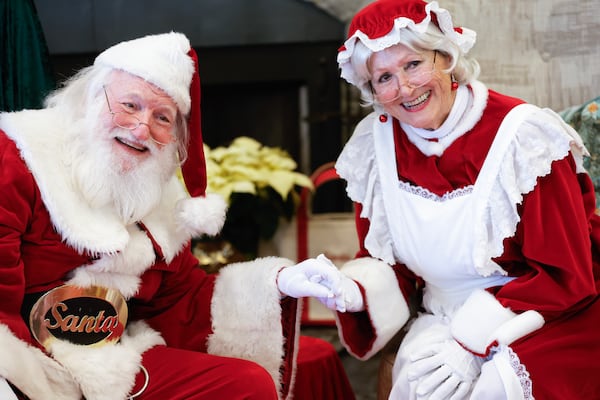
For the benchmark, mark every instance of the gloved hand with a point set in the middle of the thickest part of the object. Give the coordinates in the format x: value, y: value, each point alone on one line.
x: 346, y: 294
x: 445, y: 370
x: 310, y: 278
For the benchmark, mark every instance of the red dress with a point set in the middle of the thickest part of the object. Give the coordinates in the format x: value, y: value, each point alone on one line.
x: 550, y: 258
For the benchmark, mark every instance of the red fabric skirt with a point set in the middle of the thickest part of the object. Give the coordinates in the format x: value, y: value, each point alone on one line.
x: 320, y: 374
x: 563, y: 359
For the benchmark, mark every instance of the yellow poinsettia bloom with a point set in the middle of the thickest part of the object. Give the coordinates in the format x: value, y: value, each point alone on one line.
x: 284, y: 181
x: 267, y: 174
x: 245, y: 166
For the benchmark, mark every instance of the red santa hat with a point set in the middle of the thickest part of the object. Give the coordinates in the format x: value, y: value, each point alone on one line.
x: 170, y: 63
x: 378, y: 25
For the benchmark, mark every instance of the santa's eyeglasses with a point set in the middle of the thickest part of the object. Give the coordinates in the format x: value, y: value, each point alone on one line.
x: 161, y: 127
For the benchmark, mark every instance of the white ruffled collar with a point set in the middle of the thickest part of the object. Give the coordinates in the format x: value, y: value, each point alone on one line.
x: 459, y: 108
x: 466, y: 111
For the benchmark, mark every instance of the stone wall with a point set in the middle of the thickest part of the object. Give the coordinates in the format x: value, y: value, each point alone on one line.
x: 544, y: 51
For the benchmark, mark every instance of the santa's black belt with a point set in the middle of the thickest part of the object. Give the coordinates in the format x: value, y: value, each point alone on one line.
x: 86, y: 316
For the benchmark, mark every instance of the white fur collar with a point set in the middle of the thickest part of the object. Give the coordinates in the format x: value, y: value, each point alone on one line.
x: 41, y: 142
x: 39, y: 136
x: 96, y: 230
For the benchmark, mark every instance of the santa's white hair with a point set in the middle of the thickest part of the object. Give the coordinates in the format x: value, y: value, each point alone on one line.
x: 97, y: 170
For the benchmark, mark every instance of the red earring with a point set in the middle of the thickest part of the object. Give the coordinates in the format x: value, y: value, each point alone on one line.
x: 454, y: 84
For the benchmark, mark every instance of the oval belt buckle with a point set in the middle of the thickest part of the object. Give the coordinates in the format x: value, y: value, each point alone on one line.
x: 91, y: 316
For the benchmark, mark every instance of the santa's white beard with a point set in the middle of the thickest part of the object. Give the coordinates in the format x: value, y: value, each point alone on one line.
x: 107, y: 178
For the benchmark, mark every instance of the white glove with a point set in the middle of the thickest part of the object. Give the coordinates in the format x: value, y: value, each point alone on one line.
x: 445, y: 370
x: 310, y: 278
x: 346, y: 294
x: 6, y: 393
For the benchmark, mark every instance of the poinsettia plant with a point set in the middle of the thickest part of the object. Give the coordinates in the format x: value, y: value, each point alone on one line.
x: 259, y: 183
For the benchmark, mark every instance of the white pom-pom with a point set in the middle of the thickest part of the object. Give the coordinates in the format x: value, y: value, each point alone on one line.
x: 201, y: 215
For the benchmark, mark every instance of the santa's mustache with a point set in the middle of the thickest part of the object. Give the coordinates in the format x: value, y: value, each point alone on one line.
x: 128, y: 139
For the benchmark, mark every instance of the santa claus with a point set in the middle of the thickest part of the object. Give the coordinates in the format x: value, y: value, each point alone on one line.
x: 100, y: 295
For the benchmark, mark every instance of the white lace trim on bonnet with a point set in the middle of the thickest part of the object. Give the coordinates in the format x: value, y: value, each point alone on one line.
x: 465, y: 39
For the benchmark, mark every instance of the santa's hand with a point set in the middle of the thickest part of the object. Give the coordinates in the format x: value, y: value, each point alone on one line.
x: 310, y: 278
x: 444, y: 370
x: 346, y: 294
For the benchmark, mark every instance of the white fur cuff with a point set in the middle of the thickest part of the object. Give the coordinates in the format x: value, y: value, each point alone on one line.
x: 482, y: 322
x: 246, y: 304
x: 385, y: 302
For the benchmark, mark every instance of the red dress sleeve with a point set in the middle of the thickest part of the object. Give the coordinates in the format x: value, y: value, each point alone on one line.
x: 550, y: 252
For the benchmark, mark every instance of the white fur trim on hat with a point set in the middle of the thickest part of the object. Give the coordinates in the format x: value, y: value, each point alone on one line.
x: 161, y: 59
x: 201, y: 215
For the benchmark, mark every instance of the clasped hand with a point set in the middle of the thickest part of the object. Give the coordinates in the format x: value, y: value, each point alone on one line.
x: 320, y: 278
x: 444, y: 370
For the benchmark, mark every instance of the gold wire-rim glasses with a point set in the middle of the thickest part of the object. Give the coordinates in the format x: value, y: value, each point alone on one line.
x: 412, y: 83
x: 135, y: 123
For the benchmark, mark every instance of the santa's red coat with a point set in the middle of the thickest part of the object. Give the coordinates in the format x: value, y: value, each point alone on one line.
x: 49, y: 236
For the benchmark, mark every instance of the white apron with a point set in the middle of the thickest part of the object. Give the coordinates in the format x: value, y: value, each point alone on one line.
x: 435, y: 237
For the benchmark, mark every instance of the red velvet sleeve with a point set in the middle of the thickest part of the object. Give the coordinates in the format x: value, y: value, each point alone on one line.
x: 17, y: 189
x: 550, y: 252
x: 358, y: 330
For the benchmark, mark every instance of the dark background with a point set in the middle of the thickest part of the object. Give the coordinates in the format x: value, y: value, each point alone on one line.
x: 268, y: 67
